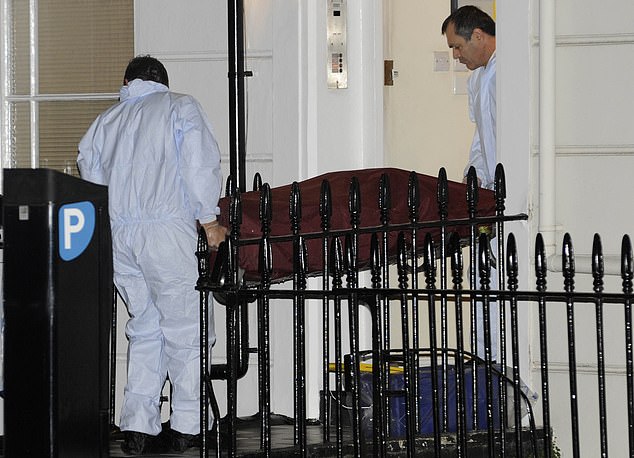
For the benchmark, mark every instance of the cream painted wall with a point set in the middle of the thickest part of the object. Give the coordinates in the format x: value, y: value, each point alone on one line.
x: 426, y: 125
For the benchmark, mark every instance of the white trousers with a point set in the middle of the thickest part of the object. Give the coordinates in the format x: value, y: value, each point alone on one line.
x: 155, y: 272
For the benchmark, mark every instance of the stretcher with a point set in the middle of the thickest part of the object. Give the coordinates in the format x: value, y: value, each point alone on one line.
x: 363, y: 201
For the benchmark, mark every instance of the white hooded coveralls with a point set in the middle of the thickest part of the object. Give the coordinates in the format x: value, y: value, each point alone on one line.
x: 156, y: 152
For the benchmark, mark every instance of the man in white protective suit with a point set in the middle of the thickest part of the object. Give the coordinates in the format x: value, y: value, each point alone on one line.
x: 156, y: 152
x: 470, y: 33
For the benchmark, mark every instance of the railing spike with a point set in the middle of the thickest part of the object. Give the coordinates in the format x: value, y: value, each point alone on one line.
x: 512, y: 262
x: 568, y: 263
x: 485, y: 260
x: 325, y: 205
x: 456, y: 259
x: 627, y: 269
x: 385, y: 198
x: 597, y: 263
x: 540, y: 263
x: 295, y: 207
x: 266, y: 209
x: 413, y: 196
x: 442, y: 195
x: 472, y: 191
x: 500, y: 184
x: 354, y: 201
x: 257, y: 181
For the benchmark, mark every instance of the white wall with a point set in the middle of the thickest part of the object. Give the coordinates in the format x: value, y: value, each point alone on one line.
x: 344, y: 125
x: 515, y: 104
x: 594, y: 152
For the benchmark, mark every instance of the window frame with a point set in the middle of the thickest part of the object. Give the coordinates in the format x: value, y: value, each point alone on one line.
x: 8, y: 157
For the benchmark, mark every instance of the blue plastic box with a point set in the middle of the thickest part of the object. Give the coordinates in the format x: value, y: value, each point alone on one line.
x: 397, y: 412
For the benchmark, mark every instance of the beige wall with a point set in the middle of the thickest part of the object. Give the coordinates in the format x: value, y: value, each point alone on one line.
x: 426, y: 125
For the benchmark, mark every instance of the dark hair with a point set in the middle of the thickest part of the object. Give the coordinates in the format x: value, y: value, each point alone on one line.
x: 146, y: 68
x: 468, y: 18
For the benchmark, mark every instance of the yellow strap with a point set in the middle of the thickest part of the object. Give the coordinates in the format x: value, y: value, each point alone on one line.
x: 364, y: 367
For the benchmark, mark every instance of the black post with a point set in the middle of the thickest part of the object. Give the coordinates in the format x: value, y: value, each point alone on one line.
x: 236, y: 74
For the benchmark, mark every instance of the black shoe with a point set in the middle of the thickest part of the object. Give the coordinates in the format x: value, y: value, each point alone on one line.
x: 181, y: 441
x: 135, y: 443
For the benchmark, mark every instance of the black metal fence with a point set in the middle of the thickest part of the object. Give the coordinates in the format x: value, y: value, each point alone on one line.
x: 425, y: 383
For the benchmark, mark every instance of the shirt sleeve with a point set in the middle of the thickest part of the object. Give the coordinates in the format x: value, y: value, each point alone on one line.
x: 482, y: 111
x: 475, y: 152
x: 488, y: 129
x: 199, y: 162
x: 88, y: 154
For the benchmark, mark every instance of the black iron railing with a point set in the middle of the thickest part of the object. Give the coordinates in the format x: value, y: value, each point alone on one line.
x: 426, y: 378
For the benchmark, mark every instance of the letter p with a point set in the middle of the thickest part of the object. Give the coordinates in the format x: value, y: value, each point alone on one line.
x: 73, y: 223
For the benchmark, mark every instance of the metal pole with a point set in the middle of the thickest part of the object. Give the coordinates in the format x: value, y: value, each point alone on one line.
x: 236, y: 74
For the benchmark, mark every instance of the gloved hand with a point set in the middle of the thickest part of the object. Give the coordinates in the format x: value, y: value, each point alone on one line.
x: 216, y: 234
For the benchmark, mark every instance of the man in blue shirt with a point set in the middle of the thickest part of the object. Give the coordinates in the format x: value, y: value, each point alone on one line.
x: 156, y: 152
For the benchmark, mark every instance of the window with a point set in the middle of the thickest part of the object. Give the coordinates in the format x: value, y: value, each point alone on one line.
x: 64, y: 65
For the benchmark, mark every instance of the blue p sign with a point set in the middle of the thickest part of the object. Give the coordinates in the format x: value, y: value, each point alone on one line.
x: 76, y: 226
